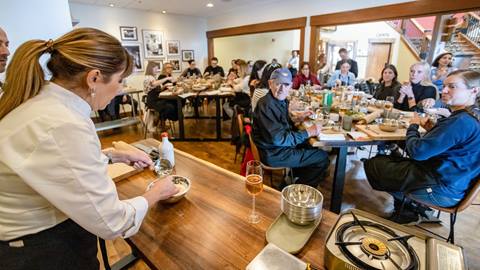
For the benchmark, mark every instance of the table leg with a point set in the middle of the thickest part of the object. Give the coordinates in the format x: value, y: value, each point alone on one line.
x: 181, y: 125
x: 338, y: 180
x: 218, y: 120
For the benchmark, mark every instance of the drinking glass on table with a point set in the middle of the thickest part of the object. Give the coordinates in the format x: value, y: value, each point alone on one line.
x: 163, y: 167
x: 388, y: 105
x: 254, y: 185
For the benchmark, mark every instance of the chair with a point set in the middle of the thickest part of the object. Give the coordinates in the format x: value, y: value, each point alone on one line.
x: 238, y: 150
x: 256, y: 156
x: 147, y: 116
x: 462, y: 205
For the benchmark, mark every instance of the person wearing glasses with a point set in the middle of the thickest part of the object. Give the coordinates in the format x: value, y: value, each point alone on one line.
x: 306, y: 78
x: 279, y: 142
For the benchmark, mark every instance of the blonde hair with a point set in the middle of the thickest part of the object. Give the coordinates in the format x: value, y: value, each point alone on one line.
x: 164, y: 68
x: 71, y: 56
x: 426, y: 81
x: 242, y: 68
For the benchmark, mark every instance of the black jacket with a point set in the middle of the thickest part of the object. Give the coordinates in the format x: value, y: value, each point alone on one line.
x: 272, y: 126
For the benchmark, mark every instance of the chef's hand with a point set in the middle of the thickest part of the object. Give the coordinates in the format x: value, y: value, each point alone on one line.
x: 161, y: 190
x: 133, y: 157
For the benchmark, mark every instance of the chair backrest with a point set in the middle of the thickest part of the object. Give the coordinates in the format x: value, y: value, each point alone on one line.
x: 240, y: 124
x: 470, y: 196
x: 253, y: 147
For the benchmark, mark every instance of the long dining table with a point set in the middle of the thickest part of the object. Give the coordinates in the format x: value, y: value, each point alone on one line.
x: 208, y: 229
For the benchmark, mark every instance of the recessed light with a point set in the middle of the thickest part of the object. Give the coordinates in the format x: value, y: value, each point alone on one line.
x: 209, y: 5
x: 164, y: 11
x: 111, y: 5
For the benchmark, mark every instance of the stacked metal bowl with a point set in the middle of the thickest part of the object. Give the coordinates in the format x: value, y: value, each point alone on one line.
x: 301, y: 204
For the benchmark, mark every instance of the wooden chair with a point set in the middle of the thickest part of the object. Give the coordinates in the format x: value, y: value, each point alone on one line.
x: 256, y: 156
x: 462, y: 205
x: 240, y: 130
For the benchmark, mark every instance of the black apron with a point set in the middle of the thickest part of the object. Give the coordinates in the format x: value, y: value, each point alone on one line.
x: 65, y: 246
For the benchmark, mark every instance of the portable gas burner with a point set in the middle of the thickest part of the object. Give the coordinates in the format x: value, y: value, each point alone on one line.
x: 360, y: 240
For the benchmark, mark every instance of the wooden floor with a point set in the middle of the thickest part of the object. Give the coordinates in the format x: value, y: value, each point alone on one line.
x: 357, y: 192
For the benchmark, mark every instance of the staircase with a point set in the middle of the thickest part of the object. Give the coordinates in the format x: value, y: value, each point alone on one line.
x: 466, y: 52
x: 466, y: 46
x: 416, y: 36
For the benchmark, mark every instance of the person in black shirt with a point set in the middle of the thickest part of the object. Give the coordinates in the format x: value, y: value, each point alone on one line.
x: 191, y: 70
x: 166, y: 108
x: 279, y: 143
x: 214, y: 68
x: 344, y: 56
x: 388, y: 84
x: 417, y: 89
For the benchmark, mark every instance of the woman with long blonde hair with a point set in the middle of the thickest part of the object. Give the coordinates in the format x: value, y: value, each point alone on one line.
x: 56, y: 194
x: 418, y: 88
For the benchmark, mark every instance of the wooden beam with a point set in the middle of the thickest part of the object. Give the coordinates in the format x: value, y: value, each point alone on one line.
x: 302, y: 45
x: 211, y: 52
x: 396, y: 11
x: 282, y: 25
x: 313, y: 49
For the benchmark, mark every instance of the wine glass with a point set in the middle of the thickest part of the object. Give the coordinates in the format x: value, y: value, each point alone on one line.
x: 254, y: 185
x: 163, y: 167
x: 388, y: 105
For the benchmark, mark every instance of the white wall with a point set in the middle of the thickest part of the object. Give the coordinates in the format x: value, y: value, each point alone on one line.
x: 286, y: 9
x: 361, y: 33
x: 31, y: 19
x: 264, y: 46
x: 190, y: 31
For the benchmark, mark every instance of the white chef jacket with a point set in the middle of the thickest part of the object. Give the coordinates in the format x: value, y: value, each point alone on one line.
x: 295, y: 62
x: 52, y: 168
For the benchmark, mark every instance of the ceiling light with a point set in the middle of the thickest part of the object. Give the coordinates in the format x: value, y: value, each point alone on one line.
x: 164, y: 11
x: 209, y: 5
x: 111, y: 5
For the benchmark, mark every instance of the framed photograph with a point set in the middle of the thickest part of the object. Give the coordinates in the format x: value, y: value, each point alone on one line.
x: 128, y: 33
x: 176, y: 65
x: 187, y: 55
x: 135, y: 51
x: 153, y: 44
x: 173, y: 47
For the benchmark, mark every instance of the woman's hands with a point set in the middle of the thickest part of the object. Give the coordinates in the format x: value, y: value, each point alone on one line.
x: 125, y: 153
x: 161, y: 190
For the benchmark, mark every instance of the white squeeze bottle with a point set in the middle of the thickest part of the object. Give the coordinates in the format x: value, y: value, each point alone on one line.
x: 165, y: 149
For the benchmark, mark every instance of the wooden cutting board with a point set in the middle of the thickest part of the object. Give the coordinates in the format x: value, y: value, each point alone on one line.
x: 375, y: 133
x: 120, y: 171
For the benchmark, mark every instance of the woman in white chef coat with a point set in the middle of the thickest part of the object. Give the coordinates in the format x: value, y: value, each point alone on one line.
x: 55, y: 194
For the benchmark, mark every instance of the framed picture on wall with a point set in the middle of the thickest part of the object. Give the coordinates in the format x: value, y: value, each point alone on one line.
x: 128, y: 33
x: 187, y: 55
x: 153, y: 43
x: 135, y: 51
x: 173, y: 47
x: 176, y: 65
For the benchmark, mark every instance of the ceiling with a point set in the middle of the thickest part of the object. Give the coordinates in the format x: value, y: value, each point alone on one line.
x: 184, y: 7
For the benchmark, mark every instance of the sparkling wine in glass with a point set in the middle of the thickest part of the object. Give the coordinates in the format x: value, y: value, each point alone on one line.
x: 388, y: 105
x: 254, y: 186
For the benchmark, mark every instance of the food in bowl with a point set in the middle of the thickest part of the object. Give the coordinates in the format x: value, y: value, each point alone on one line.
x: 389, y: 125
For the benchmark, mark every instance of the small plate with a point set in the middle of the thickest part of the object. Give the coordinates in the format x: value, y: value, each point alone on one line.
x: 290, y: 236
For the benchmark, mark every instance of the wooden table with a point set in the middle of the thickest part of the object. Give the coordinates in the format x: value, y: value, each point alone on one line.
x: 208, y: 228
x: 218, y: 113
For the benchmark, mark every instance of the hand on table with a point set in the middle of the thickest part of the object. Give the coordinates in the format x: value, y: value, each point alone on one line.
x: 314, y: 130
